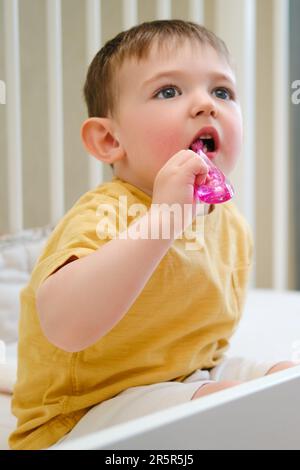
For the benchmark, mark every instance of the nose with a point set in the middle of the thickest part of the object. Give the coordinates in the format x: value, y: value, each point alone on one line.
x: 204, y: 104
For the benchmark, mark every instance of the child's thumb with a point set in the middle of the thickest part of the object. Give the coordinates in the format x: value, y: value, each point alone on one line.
x: 201, y: 177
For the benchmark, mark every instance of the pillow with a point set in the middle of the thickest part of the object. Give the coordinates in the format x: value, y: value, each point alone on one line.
x: 18, y: 255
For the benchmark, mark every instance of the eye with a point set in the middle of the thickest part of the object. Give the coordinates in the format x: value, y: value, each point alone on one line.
x: 167, y: 92
x: 224, y: 93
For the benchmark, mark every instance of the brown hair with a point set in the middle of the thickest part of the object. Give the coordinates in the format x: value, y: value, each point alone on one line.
x: 100, y: 88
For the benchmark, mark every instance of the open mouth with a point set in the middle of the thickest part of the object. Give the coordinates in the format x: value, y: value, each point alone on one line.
x: 207, y: 141
x: 206, y: 145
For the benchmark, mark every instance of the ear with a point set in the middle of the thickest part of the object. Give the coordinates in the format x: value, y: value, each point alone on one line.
x: 99, y: 139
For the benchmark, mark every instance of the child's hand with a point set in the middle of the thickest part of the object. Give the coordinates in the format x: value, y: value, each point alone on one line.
x: 174, y: 183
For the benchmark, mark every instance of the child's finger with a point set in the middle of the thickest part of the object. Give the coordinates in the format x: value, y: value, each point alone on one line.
x: 198, y: 168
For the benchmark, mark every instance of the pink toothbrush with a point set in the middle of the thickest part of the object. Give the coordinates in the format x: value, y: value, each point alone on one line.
x: 216, y: 188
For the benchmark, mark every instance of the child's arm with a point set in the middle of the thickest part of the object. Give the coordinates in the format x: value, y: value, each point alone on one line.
x: 85, y: 299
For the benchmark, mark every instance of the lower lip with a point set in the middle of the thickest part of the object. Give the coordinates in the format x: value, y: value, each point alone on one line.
x: 210, y: 155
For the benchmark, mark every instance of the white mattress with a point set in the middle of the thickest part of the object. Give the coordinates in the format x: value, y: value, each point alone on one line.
x: 269, y: 330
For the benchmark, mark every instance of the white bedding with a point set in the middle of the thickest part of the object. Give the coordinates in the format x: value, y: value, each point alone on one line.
x: 270, y: 326
x: 269, y: 330
x: 7, y: 379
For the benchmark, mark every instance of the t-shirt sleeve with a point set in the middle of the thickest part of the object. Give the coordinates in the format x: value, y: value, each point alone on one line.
x: 83, y: 230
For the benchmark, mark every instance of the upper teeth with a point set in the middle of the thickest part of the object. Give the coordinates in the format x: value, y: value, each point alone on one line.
x: 205, y: 136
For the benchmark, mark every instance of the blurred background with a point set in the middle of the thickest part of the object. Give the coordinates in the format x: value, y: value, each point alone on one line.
x: 45, y: 49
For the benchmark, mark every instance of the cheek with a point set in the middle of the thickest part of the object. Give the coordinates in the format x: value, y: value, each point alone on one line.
x: 167, y: 144
x: 161, y: 130
x: 162, y: 140
x: 232, y: 144
x: 236, y: 145
x: 234, y: 136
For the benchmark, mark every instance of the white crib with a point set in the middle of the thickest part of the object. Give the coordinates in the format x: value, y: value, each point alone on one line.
x: 270, y: 328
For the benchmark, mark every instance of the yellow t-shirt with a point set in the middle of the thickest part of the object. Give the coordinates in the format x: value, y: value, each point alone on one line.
x: 181, y: 321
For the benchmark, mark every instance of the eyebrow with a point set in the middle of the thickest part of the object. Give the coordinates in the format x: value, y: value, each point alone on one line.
x: 168, y: 73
